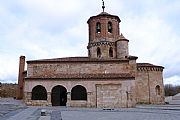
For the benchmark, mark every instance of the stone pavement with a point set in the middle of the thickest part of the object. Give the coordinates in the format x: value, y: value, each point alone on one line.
x: 60, y: 113
x: 9, y: 107
x: 16, y: 111
x: 27, y: 114
x: 143, y: 113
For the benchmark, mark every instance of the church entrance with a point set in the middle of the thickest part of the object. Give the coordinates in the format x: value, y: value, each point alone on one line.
x: 59, y: 96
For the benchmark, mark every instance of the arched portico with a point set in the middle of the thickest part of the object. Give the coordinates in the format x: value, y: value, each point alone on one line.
x: 59, y: 96
x: 39, y: 93
x: 78, y: 93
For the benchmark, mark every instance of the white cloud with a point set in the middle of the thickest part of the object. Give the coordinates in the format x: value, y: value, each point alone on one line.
x: 9, y: 68
x: 57, y: 28
x: 153, y: 36
x: 174, y: 80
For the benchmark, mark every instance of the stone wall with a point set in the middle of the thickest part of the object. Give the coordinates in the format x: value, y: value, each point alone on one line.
x: 8, y: 90
x: 122, y: 48
x: 146, y: 82
x: 53, y: 69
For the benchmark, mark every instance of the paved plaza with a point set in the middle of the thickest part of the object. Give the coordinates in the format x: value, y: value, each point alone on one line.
x: 15, y: 110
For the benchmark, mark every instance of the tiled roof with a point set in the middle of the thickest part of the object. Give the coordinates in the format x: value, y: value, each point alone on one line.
x: 77, y: 59
x: 105, y: 14
x: 85, y: 76
x: 121, y: 37
x: 132, y: 57
x: 147, y: 65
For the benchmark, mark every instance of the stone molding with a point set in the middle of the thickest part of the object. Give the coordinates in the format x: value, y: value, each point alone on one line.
x: 101, y: 43
x: 148, y: 68
x: 86, y: 76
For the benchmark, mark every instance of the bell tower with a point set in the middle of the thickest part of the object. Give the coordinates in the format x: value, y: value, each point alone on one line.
x: 104, y: 32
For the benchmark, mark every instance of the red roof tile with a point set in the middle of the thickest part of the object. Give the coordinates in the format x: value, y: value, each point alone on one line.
x: 85, y: 76
x: 76, y: 59
x: 147, y: 65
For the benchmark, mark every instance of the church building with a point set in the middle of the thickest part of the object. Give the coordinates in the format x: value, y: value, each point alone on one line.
x: 107, y: 78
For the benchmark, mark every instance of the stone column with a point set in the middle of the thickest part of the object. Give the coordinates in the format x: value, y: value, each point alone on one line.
x: 49, y: 99
x: 89, y: 95
x: 68, y: 104
x: 28, y: 98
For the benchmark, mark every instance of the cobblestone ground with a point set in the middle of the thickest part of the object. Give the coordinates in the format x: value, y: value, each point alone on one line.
x: 10, y: 110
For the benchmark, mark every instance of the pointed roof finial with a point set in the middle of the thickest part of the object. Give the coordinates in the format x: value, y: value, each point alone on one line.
x: 103, y: 5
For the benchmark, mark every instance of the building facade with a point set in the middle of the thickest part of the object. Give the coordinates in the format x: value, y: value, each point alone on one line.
x: 107, y: 78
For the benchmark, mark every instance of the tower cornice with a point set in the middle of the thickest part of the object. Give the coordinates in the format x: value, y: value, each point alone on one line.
x: 104, y: 14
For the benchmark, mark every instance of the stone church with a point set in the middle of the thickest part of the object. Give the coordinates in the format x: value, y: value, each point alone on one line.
x: 107, y: 78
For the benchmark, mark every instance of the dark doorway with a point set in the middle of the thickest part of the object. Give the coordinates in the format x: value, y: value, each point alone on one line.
x: 59, y: 96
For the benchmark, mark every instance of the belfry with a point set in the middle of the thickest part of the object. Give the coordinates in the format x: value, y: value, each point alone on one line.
x: 107, y: 78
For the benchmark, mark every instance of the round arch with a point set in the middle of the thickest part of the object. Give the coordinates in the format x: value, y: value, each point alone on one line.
x: 78, y: 92
x: 98, y: 27
x: 109, y: 27
x: 110, y: 52
x: 157, y: 89
x: 59, y: 96
x: 98, y: 52
x: 39, y: 93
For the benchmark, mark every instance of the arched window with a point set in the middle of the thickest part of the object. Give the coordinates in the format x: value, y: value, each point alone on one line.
x: 39, y: 93
x: 110, y: 52
x: 110, y: 27
x: 98, y: 52
x: 78, y: 93
x: 98, y: 27
x: 157, y: 90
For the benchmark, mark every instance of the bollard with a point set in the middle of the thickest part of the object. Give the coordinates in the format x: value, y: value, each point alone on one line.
x: 43, y: 112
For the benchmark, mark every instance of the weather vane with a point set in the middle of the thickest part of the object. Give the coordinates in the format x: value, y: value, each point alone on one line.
x: 103, y: 5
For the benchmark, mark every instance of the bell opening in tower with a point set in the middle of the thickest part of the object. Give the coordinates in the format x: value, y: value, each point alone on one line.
x: 109, y: 27
x: 98, y: 27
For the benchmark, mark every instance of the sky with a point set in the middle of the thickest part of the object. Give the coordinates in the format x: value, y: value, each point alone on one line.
x: 41, y: 29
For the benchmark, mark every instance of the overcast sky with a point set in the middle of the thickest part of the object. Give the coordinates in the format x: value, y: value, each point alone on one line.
x: 40, y: 29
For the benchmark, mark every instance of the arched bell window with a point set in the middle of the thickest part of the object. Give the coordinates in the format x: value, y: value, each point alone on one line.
x: 98, y: 27
x: 98, y: 52
x: 110, y: 27
x: 110, y: 52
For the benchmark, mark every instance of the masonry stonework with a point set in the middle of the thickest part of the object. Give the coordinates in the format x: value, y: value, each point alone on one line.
x: 107, y: 78
x: 8, y: 90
